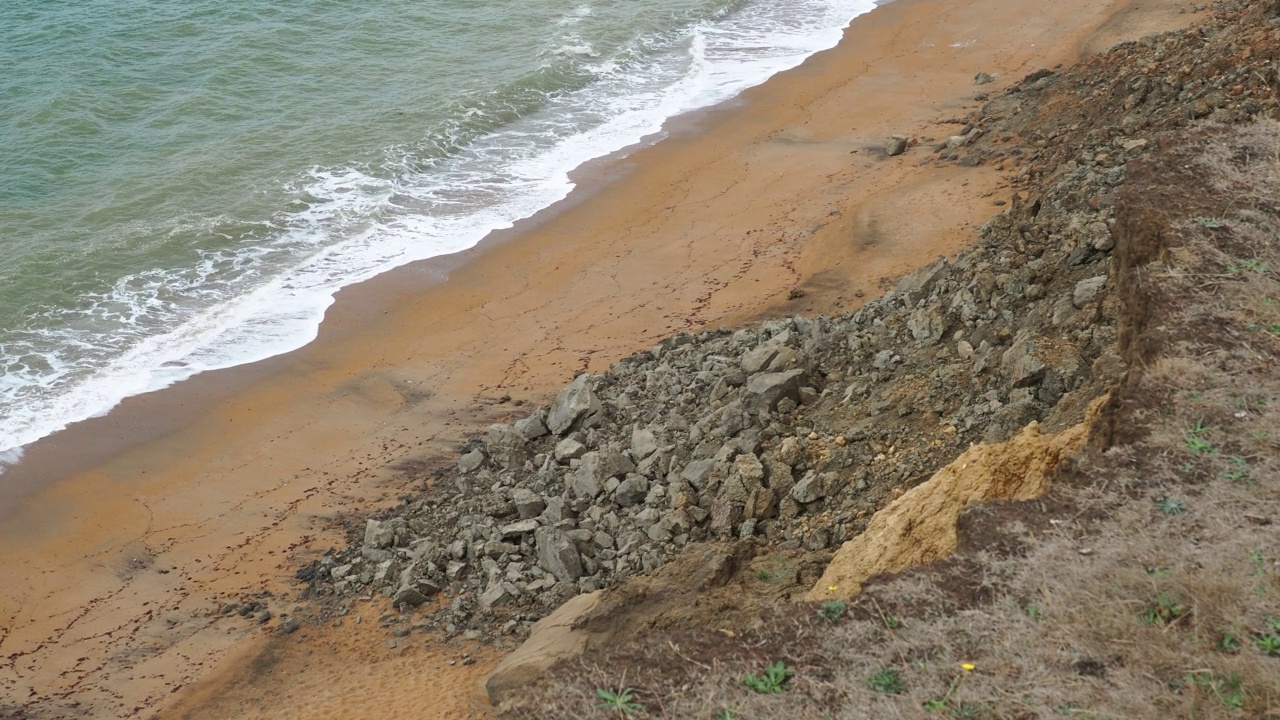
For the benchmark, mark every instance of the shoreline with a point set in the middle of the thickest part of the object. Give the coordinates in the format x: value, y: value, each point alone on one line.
x: 221, y: 490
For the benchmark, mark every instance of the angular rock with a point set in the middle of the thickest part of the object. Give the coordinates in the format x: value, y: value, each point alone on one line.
x: 532, y: 427
x: 748, y: 467
x: 498, y: 593
x: 553, y: 639
x: 725, y: 517
x: 556, y: 511
x: 471, y: 462
x: 506, y: 446
x: 811, y: 488
x: 926, y: 325
x: 557, y: 555
x: 895, y: 145
x: 765, y: 390
x: 528, y: 503
x: 569, y: 449
x: 408, y: 596
x: 643, y: 443
x: 756, y: 360
x: 1087, y: 290
x: 696, y: 472
x: 596, y: 469
x: 387, y: 572
x: 761, y: 504
x: 574, y: 404
x: 786, y: 359
x: 1020, y: 364
x: 631, y: 491
x: 517, y: 529
x: 378, y: 534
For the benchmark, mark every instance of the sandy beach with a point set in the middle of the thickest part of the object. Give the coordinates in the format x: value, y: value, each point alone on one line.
x: 122, y: 537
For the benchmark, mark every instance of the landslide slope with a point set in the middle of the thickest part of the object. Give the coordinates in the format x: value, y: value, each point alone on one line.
x: 1140, y: 264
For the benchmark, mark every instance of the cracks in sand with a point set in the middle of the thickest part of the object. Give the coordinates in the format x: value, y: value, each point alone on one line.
x: 148, y: 628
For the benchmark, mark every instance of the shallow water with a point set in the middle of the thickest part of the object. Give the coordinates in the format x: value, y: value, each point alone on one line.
x: 186, y: 183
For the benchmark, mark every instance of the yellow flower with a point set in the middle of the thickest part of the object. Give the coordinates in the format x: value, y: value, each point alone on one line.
x: 968, y: 667
x: 831, y: 588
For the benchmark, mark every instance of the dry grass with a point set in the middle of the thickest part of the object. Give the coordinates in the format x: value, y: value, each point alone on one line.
x: 1145, y: 586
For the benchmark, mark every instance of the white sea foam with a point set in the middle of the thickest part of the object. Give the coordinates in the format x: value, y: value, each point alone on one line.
x: 10, y: 457
x: 269, y: 297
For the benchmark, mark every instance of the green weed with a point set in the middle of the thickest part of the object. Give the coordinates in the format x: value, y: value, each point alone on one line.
x: 1237, y: 470
x: 772, y: 681
x: 1163, y: 609
x: 1197, y: 439
x: 833, y: 610
x: 1228, y: 643
x: 1269, y: 644
x: 1228, y: 691
x: 622, y: 702
x: 1169, y: 506
x: 887, y: 681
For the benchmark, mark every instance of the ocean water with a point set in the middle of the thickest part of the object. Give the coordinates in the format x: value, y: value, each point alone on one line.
x: 184, y: 184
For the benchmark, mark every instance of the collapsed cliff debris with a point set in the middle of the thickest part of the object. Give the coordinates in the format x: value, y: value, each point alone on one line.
x: 792, y: 433
x: 1141, y: 585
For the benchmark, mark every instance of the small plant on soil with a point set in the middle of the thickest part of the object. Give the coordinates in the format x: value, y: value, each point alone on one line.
x: 1169, y: 506
x: 1197, y: 442
x: 1209, y: 222
x: 1237, y: 470
x: 960, y: 710
x: 887, y: 681
x: 1229, y: 642
x: 1259, y: 567
x: 1252, y: 265
x: 774, y: 574
x: 622, y: 702
x: 772, y: 681
x: 833, y: 610
x: 1163, y: 609
x: 1228, y: 690
x: 1269, y: 644
x: 725, y: 714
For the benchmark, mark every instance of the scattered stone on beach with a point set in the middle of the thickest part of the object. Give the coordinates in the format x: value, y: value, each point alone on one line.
x: 983, y: 78
x: 895, y: 145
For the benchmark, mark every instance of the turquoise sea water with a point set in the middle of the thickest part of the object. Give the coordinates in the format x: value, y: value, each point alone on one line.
x: 184, y: 184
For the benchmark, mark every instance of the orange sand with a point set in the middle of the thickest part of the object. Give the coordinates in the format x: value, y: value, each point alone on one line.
x: 136, y: 527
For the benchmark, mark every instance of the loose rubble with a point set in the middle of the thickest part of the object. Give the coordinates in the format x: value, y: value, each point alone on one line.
x: 793, y: 432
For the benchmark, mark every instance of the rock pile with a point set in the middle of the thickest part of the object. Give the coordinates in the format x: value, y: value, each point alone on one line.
x: 796, y: 430
x: 1110, y: 107
x: 792, y: 432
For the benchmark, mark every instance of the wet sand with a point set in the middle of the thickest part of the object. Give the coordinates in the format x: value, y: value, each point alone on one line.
x: 126, y: 534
